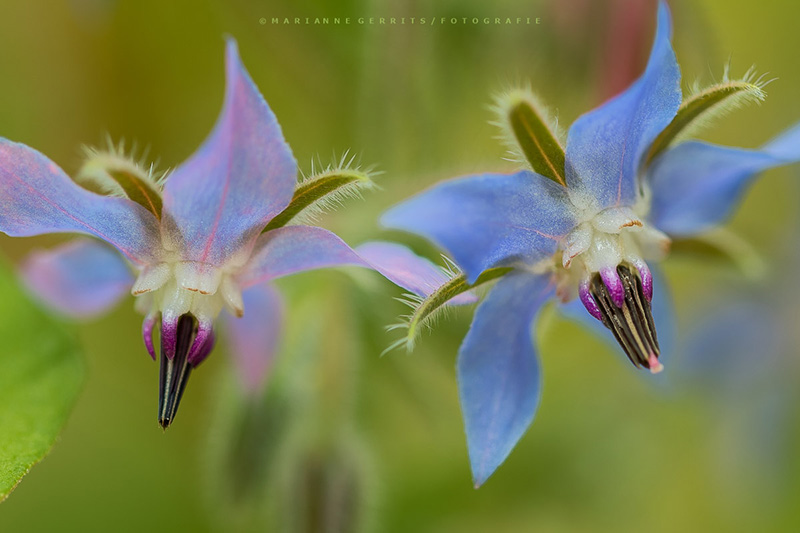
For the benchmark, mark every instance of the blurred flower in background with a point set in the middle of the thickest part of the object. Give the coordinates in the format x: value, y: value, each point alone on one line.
x: 621, y: 28
x: 739, y: 363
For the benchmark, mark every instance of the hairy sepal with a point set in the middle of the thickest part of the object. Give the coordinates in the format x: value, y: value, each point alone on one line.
x: 322, y: 192
x: 426, y: 310
x: 530, y: 133
x: 112, y: 172
x: 704, y: 106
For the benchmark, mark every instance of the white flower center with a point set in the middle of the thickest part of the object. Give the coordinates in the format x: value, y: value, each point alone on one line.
x: 606, y: 238
x: 174, y: 288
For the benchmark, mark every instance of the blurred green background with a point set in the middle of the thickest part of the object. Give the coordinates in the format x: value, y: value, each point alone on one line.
x: 607, y: 452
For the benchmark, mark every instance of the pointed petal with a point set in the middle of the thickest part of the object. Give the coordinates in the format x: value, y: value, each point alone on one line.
x: 785, y: 145
x: 81, y: 278
x: 697, y: 185
x: 606, y: 145
x: 243, y: 175
x: 37, y: 197
x: 292, y: 249
x: 488, y: 220
x: 403, y: 267
x: 663, y: 317
x: 253, y: 338
x: 498, y: 370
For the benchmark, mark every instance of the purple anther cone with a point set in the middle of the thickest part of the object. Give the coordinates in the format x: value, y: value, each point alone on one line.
x: 614, y: 285
x: 588, y: 301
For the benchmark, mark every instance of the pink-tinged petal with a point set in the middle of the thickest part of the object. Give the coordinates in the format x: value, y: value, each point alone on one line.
x: 294, y: 249
x: 82, y: 278
x: 253, y: 338
x: 403, y: 267
x: 37, y: 197
x: 241, y: 177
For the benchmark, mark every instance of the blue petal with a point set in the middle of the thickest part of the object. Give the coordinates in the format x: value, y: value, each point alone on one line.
x: 241, y: 177
x: 785, y: 145
x: 253, y: 339
x: 81, y: 278
x: 606, y: 145
x: 403, y: 267
x: 498, y: 370
x: 696, y: 185
x: 663, y: 317
x: 488, y: 220
x: 37, y: 197
x: 292, y: 249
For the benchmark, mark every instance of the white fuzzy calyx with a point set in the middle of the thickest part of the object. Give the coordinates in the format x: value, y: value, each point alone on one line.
x: 175, y: 288
x: 607, y: 238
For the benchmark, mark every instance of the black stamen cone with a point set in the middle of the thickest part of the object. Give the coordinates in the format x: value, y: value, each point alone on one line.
x: 632, y: 324
x: 175, y: 372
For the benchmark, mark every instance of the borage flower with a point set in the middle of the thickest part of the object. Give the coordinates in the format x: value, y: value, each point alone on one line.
x: 583, y: 223
x: 212, y: 235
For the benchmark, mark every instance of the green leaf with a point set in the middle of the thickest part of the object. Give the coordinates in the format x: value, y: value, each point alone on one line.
x: 708, y: 104
x: 527, y: 130
x: 114, y: 173
x: 722, y: 247
x: 426, y: 309
x: 41, y: 373
x: 320, y: 192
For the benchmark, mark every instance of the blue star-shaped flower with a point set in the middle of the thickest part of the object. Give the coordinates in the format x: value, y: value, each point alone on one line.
x: 588, y: 235
x: 190, y: 246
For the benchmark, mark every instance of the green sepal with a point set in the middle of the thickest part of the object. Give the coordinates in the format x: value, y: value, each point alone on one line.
x: 703, y: 106
x: 531, y: 134
x: 114, y: 173
x: 426, y: 309
x: 319, y: 192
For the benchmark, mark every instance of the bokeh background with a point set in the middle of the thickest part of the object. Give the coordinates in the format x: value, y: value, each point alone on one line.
x: 344, y: 436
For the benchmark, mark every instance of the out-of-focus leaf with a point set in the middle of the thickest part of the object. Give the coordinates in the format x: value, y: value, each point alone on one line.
x: 721, y: 247
x: 41, y: 372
